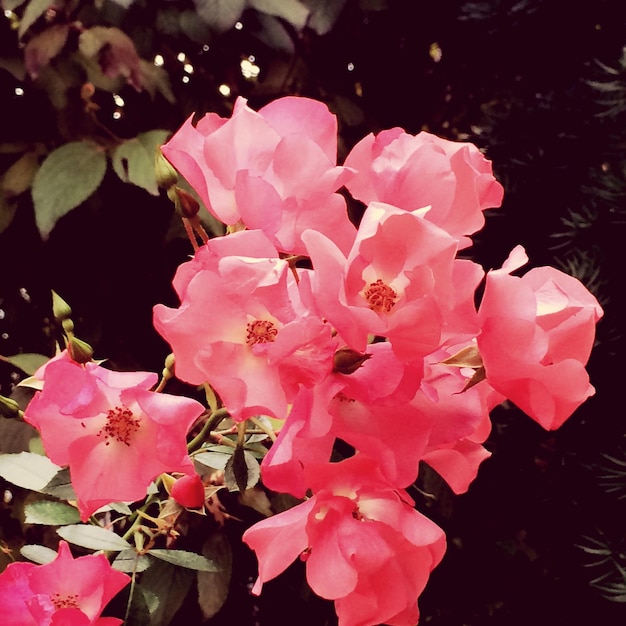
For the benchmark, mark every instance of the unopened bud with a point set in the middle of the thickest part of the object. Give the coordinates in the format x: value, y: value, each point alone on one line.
x: 187, y: 205
x: 166, y: 175
x: 188, y: 491
x: 348, y: 361
x: 9, y: 407
x: 169, y: 362
x: 79, y: 350
x: 60, y: 309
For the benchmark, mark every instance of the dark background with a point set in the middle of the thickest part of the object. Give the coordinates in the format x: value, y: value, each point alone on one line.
x: 540, y: 85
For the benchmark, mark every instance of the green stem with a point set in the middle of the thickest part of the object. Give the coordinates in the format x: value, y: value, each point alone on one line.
x: 212, y: 422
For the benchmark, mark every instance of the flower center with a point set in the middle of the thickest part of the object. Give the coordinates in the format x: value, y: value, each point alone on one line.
x: 69, y: 601
x: 121, y: 425
x: 260, y: 331
x: 380, y: 296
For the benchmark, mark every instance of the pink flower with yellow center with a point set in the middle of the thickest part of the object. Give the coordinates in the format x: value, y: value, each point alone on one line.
x: 114, y: 433
x: 400, y: 280
x: 64, y: 592
x: 242, y: 327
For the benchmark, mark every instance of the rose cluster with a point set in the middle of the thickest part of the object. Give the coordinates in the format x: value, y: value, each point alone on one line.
x: 369, y: 334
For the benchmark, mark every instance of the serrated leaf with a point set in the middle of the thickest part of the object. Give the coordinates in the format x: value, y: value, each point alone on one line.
x: 68, y: 176
x: 213, y: 587
x: 170, y: 584
x: 291, y: 11
x: 220, y: 15
x: 28, y: 362
x: 242, y: 471
x: 34, y: 10
x: 27, y: 470
x: 213, y: 459
x: 93, y: 537
x: 128, y: 561
x: 134, y: 160
x: 38, y: 554
x: 60, y: 486
x: 183, y: 558
x: 50, y: 513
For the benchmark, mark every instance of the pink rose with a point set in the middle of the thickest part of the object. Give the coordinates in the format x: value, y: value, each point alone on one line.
x: 66, y: 591
x: 536, y: 335
x: 274, y: 170
x: 355, y: 531
x: 400, y: 281
x: 413, y: 171
x: 241, y: 327
x: 114, y: 433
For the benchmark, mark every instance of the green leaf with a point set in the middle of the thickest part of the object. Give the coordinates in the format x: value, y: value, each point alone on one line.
x: 213, y: 587
x: 291, y: 11
x: 93, y: 537
x: 27, y: 470
x: 60, y: 486
x: 170, y: 584
x: 68, y: 176
x: 220, y: 15
x: 28, y: 362
x: 121, y: 507
x: 182, y: 558
x: 214, y: 459
x: 34, y: 10
x: 142, y: 605
x: 134, y: 160
x: 128, y: 561
x: 242, y: 471
x: 38, y: 554
x: 50, y: 513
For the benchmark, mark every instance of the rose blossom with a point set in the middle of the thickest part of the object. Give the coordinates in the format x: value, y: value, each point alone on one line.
x: 400, y: 281
x: 242, y: 327
x: 273, y: 170
x: 536, y: 335
x: 412, y: 171
x: 355, y: 531
x: 64, y: 592
x: 115, y: 434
